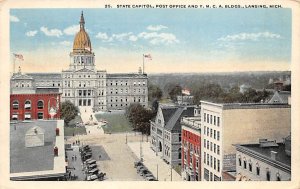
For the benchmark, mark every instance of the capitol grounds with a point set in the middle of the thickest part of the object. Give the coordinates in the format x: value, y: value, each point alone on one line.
x: 115, y: 147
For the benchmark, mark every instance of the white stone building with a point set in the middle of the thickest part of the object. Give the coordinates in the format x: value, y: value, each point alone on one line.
x: 82, y: 84
x: 223, y: 125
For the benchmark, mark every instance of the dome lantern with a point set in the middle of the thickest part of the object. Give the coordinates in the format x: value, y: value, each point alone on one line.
x: 82, y: 43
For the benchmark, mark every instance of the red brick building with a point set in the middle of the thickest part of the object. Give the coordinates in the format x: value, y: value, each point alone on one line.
x: 34, y: 106
x: 191, y: 149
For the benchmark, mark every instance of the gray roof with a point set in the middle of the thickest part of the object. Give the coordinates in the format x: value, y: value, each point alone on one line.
x: 265, y: 152
x: 32, y: 159
x: 84, y: 70
x: 174, y: 122
x: 49, y: 76
x: 21, y: 76
x: 168, y: 112
x: 280, y: 97
x: 226, y: 106
x: 125, y: 75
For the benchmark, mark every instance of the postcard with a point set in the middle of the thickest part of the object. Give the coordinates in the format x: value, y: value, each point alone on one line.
x: 197, y: 93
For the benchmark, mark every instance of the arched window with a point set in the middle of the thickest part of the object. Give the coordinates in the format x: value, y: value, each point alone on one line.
x: 257, y: 169
x: 240, y: 160
x: 250, y: 165
x: 27, y: 105
x: 268, y: 174
x: 245, y: 163
x: 278, y: 178
x: 15, y: 105
x: 40, y: 104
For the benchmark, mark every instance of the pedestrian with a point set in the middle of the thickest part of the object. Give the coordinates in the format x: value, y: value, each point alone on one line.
x: 75, y: 158
x: 73, y: 143
x: 99, y: 157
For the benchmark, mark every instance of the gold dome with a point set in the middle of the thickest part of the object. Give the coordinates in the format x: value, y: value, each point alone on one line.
x: 82, y: 42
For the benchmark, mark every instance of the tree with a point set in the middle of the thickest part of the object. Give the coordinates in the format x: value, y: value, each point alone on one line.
x: 140, y: 117
x: 175, y: 91
x: 68, y: 111
x: 154, y: 92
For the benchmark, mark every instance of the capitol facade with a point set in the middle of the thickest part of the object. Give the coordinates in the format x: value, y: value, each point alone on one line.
x: 82, y: 84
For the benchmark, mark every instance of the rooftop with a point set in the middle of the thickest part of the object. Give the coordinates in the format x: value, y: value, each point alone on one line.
x: 39, y: 160
x: 226, y: 106
x: 265, y: 152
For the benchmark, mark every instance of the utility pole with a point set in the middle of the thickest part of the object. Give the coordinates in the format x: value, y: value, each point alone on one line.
x: 171, y: 172
x: 156, y: 171
x: 141, y: 151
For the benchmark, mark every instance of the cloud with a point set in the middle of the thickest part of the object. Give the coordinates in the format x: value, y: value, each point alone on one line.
x: 51, y: 32
x: 65, y: 43
x: 103, y: 37
x: 249, y: 36
x: 159, y: 38
x: 133, y: 38
x: 71, y: 30
x: 14, y: 18
x: 156, y: 28
x: 31, y: 33
x: 153, y: 38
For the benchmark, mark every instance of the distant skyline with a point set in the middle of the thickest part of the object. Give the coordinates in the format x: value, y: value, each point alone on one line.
x: 179, y: 40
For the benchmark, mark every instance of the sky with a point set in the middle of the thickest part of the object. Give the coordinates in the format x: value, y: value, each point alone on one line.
x: 179, y: 40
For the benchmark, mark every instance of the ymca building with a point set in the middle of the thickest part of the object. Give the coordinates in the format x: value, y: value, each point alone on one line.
x: 82, y: 84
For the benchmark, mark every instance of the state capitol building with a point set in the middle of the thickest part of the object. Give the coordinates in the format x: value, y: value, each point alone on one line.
x: 82, y: 84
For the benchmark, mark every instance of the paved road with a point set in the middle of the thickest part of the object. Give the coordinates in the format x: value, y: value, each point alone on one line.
x: 117, y: 160
x: 152, y: 162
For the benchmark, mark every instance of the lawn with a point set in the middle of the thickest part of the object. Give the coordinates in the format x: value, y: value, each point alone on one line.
x: 71, y: 129
x: 116, y: 122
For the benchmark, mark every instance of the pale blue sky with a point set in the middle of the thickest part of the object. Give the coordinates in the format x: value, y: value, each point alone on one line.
x: 192, y: 36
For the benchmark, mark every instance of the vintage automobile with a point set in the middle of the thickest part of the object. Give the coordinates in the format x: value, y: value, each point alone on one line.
x: 92, y: 177
x: 137, y: 163
x: 92, y: 166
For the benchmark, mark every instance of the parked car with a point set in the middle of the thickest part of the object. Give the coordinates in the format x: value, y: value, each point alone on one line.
x: 137, y: 163
x: 92, y: 177
x: 148, y: 175
x: 139, y: 167
x: 144, y: 172
x: 92, y: 166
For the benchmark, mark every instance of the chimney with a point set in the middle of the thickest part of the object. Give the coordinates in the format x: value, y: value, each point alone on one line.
x: 273, y: 155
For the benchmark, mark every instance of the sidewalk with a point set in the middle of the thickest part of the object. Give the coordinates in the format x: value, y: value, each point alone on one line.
x: 86, y: 114
x: 154, y: 163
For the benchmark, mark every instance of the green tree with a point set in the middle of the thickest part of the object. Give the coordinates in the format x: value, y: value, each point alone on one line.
x: 174, y: 92
x: 154, y: 92
x: 140, y: 117
x: 68, y: 111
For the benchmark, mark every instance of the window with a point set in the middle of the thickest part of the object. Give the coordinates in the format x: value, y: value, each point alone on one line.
x: 210, y: 119
x: 218, y: 121
x: 245, y: 163
x: 211, y: 146
x: 211, y: 161
x: 268, y: 174
x: 214, y: 120
x: 179, y: 137
x: 27, y: 105
x: 214, y: 163
x: 278, y: 178
x: 204, y: 118
x: 204, y: 130
x: 218, y: 149
x: 15, y: 105
x: 40, y: 104
x: 207, y: 131
x: 179, y: 153
x: 204, y: 157
x: 240, y: 161
x: 206, y: 174
x: 207, y: 118
x: 218, y: 165
x: 207, y: 159
x: 27, y: 116
x: 204, y: 143
x: 40, y: 115
x: 211, y: 133
x: 214, y: 134
x: 218, y: 135
x: 250, y: 166
x: 207, y: 144
x: 214, y: 148
x: 257, y: 169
